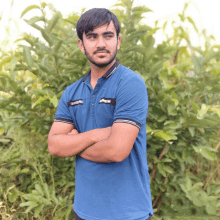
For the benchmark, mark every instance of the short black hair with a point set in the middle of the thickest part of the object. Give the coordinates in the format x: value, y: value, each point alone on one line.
x: 93, y: 18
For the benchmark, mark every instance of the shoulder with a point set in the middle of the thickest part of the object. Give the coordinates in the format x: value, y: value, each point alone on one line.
x: 127, y: 75
x: 69, y: 90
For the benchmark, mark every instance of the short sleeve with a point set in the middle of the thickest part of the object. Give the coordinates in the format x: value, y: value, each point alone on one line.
x: 131, y: 102
x: 63, y: 113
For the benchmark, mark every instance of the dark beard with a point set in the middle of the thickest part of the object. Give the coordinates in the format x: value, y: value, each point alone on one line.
x: 100, y: 65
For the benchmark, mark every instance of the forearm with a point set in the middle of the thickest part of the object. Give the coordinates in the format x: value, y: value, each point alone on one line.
x: 65, y: 145
x: 100, y: 152
x: 70, y: 144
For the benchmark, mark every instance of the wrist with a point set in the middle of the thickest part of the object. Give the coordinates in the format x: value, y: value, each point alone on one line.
x: 94, y: 135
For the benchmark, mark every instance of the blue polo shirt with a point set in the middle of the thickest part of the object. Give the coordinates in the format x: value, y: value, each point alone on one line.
x: 117, y: 190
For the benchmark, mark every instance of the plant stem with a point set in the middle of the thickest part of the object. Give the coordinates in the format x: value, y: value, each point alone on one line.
x: 160, y: 157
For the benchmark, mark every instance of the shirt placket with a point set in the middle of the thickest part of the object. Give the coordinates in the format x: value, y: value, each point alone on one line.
x: 94, y: 95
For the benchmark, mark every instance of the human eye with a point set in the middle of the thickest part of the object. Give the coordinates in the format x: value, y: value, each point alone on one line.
x: 91, y: 37
x: 108, y: 36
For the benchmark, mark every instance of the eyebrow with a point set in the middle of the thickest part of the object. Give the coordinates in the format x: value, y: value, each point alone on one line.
x: 105, y: 33
x: 108, y: 32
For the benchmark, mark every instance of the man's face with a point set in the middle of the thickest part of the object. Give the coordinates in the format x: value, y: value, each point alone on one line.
x: 100, y: 45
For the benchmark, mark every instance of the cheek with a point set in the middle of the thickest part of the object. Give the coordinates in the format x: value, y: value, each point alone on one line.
x: 113, y: 46
x: 90, y: 48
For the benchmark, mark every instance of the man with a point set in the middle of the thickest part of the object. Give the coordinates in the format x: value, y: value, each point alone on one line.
x: 101, y: 119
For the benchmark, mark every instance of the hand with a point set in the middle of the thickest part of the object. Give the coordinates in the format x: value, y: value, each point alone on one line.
x: 99, y: 134
x: 73, y: 132
x: 103, y: 133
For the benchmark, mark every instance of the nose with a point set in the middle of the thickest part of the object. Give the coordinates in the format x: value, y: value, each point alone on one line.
x: 101, y: 42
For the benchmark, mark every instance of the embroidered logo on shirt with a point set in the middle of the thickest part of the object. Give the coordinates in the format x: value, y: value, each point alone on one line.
x: 75, y: 102
x: 110, y: 101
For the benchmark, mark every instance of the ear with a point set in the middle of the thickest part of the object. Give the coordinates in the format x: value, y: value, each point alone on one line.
x: 81, y: 47
x: 118, y: 42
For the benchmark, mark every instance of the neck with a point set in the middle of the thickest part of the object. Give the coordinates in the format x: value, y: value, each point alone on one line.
x: 97, y: 72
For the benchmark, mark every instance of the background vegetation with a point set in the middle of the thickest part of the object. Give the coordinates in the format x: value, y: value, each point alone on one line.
x: 182, y: 126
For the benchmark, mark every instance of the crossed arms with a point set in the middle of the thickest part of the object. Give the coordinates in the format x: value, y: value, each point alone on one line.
x: 104, y: 145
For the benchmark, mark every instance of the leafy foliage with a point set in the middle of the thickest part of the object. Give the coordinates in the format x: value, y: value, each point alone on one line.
x: 182, y: 126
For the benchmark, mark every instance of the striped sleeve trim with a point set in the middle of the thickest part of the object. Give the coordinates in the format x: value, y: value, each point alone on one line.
x: 129, y: 121
x: 64, y: 120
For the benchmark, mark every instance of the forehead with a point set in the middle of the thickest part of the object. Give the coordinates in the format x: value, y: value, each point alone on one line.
x: 104, y: 28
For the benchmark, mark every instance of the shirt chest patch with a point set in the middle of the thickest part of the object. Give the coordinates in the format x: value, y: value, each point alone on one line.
x: 75, y: 102
x: 110, y: 101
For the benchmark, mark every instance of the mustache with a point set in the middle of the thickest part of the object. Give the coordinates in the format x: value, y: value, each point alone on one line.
x: 101, y: 49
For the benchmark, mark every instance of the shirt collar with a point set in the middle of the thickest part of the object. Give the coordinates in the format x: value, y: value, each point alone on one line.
x: 108, y: 73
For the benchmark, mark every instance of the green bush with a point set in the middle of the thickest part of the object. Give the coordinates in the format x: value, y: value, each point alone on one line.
x: 182, y: 126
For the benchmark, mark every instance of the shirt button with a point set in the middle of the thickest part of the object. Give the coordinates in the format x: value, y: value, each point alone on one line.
x: 93, y: 96
x: 92, y: 104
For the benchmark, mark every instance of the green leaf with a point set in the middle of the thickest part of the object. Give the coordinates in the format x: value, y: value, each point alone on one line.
x: 54, y: 101
x: 171, y: 109
x: 197, y: 186
x: 181, y: 17
x: 183, y: 187
x: 39, y: 189
x: 195, y: 107
x: 137, y: 48
x: 165, y: 25
x: 35, y: 19
x: 149, y: 130
x: 172, y: 125
x: 47, y: 37
x: 41, y: 99
x: 37, y: 210
x: 25, y: 170
x: 14, y: 61
x: 161, y: 170
x: 198, y: 201
x: 43, y: 68
x: 210, y: 56
x: 29, y: 203
x: 153, y: 31
x: 168, y: 169
x: 148, y: 43
x: 199, y: 197
x: 68, y: 212
x: 28, y: 9
x: 46, y: 190
x: 141, y: 9
x: 176, y: 102
x: 31, y: 207
x: 52, y: 22
x: 27, y: 56
x: 166, y: 160
x: 162, y: 135
x: 193, y: 23
x: 4, y: 140
x: 156, y: 67
x: 162, y: 118
x: 57, y: 46
x: 192, y: 131
x: 36, y: 26
x: 197, y: 64
x: 43, y: 4
x: 2, y: 131
x: 135, y: 35
x: 211, y: 208
x: 188, y: 183
x: 201, y: 113
x: 185, y: 6
x: 5, y: 60
x: 13, y: 195
x: 208, y: 154
x: 216, y: 110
